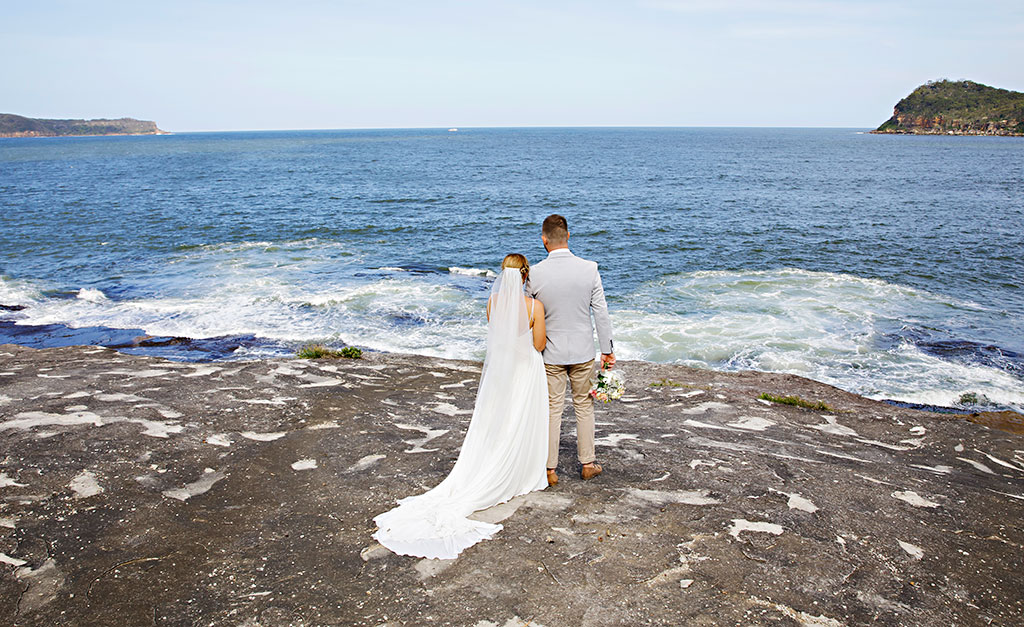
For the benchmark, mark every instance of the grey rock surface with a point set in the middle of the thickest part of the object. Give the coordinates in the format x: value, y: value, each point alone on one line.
x: 137, y: 491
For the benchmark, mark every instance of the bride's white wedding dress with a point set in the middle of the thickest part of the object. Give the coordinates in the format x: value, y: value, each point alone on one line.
x: 505, y: 449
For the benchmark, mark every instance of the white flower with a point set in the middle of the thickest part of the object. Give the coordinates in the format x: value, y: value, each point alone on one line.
x: 609, y: 385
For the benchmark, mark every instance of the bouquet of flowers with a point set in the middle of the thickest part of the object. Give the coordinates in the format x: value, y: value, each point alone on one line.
x: 608, y: 386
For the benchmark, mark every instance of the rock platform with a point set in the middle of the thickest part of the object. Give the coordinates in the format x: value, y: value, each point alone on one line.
x: 139, y: 491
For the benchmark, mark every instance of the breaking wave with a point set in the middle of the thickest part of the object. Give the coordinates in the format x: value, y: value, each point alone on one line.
x: 858, y: 334
x: 874, y: 338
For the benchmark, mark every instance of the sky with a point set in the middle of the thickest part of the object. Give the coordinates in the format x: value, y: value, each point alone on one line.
x: 303, y: 64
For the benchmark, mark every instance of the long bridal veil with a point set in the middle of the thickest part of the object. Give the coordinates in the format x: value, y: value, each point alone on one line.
x: 504, y: 451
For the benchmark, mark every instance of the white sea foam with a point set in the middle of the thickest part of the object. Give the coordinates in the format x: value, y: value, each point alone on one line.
x: 396, y: 314
x: 236, y: 247
x: 472, y: 271
x: 18, y: 293
x: 825, y: 326
x: 92, y: 295
x: 835, y: 328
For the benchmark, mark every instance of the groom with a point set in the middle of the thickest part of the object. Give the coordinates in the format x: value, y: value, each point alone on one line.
x: 570, y: 290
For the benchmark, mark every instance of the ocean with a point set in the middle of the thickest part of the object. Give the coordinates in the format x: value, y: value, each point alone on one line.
x: 889, y: 266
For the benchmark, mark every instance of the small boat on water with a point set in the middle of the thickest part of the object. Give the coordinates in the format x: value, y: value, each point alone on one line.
x: 452, y: 130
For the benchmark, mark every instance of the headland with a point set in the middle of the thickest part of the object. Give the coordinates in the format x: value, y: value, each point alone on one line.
x: 957, y: 108
x: 19, y: 126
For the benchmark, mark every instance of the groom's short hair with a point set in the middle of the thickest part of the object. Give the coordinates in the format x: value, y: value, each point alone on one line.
x: 555, y: 229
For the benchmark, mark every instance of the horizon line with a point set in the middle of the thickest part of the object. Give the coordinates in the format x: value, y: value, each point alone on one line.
x: 538, y: 126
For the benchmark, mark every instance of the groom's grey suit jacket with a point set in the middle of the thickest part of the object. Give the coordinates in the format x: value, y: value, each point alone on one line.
x: 570, y: 289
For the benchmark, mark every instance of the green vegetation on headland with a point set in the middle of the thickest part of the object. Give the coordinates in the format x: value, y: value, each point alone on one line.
x: 19, y: 126
x: 957, y: 108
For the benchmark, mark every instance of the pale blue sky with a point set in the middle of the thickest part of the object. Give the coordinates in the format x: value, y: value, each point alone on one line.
x: 398, y: 63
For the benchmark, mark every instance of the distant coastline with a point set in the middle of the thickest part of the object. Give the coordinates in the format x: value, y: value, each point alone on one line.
x: 12, y: 125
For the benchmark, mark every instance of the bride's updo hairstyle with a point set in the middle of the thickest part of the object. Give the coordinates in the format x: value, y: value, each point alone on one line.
x: 515, y: 260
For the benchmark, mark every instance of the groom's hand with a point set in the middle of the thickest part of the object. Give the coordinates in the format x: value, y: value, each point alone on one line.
x: 608, y: 361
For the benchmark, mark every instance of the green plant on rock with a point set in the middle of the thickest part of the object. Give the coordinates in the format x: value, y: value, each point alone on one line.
x: 796, y: 401
x: 315, y: 351
x: 666, y: 383
x: 969, y: 398
x: 319, y: 351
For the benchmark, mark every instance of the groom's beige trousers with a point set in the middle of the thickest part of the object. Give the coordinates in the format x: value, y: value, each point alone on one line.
x: 579, y: 377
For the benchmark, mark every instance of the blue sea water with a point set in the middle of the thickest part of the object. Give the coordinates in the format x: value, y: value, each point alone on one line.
x: 889, y: 266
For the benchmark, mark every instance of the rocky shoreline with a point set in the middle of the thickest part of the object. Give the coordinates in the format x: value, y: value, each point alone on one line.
x: 137, y: 490
x: 939, y: 126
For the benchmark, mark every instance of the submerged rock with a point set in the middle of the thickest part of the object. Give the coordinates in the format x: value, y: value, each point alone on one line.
x: 137, y: 491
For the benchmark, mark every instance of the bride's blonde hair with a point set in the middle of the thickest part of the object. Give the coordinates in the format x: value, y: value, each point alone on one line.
x: 515, y: 260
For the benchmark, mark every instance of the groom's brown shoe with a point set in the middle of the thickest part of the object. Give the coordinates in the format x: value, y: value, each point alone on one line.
x: 552, y: 477
x: 591, y: 470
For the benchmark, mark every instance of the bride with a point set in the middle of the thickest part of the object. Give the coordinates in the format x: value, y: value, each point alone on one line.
x: 505, y: 449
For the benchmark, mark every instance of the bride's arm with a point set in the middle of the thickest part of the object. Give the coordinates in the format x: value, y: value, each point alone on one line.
x: 540, y: 336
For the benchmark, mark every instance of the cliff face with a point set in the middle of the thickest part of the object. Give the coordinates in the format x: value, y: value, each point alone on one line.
x: 922, y: 125
x: 957, y: 108
x: 18, y: 126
